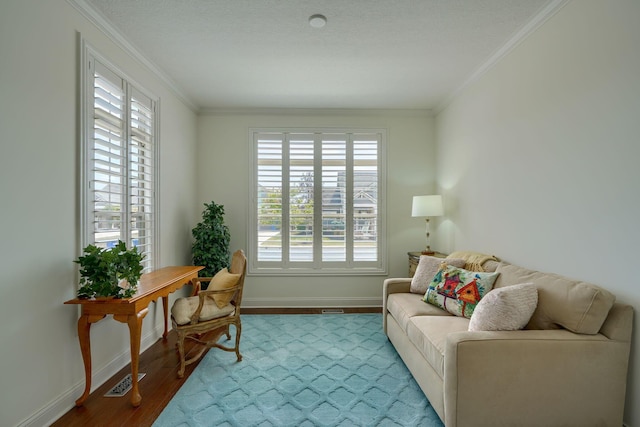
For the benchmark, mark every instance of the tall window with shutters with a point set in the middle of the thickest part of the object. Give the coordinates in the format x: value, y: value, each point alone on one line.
x: 119, y: 152
x: 318, y: 202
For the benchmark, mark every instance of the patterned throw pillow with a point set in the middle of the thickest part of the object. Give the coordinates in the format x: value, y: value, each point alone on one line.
x: 458, y: 291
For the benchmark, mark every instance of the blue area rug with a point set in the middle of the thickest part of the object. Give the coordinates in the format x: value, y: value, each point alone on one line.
x: 303, y: 370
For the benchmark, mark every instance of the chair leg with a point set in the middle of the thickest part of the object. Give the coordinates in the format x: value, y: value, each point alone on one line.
x: 238, y: 331
x: 227, y: 333
x: 180, y: 345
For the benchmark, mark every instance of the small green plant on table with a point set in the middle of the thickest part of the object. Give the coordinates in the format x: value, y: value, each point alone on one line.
x: 111, y: 272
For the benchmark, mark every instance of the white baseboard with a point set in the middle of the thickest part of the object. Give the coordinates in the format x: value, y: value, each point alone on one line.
x: 67, y: 398
x: 312, y: 302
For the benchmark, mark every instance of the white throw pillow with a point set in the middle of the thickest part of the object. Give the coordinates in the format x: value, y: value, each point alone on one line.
x: 505, y: 309
x: 427, y: 268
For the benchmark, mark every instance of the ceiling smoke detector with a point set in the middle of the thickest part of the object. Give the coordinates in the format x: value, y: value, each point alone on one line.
x: 317, y: 20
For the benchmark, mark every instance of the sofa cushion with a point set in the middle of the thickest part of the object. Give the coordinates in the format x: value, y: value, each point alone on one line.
x: 562, y: 302
x: 429, y: 335
x: 490, y: 266
x: 403, y: 306
x: 428, y: 266
x: 505, y: 309
x: 458, y: 290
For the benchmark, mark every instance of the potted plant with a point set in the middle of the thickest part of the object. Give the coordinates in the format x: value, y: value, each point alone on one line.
x: 112, y: 272
x: 211, y: 246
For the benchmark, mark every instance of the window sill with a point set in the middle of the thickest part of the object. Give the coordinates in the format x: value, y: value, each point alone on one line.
x: 316, y: 272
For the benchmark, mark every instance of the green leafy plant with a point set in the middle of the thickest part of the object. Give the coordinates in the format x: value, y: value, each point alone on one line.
x: 110, y: 272
x: 211, y: 246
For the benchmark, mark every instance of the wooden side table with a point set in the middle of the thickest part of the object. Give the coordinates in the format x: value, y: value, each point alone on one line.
x: 414, y: 259
x: 156, y: 284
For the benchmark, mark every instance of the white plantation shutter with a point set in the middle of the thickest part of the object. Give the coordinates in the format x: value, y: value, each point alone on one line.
x: 269, y: 198
x: 108, y: 157
x: 301, y: 181
x: 365, y: 194
x: 119, y: 169
x: 141, y: 175
x: 317, y: 202
x: 334, y: 191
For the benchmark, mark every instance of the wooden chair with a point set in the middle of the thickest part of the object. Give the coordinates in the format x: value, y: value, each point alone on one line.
x: 192, y: 317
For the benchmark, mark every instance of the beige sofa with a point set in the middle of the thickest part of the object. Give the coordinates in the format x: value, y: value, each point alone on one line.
x: 568, y: 367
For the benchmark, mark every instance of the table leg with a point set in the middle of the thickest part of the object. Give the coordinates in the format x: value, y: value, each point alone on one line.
x: 165, y: 306
x: 134, y: 321
x: 84, y: 337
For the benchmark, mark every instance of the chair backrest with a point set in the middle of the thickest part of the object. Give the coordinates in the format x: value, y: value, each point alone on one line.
x: 238, y: 266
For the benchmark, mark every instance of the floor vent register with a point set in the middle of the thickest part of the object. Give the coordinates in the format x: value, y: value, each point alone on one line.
x: 123, y: 386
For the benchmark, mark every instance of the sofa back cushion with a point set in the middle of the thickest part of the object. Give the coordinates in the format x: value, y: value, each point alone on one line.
x: 571, y: 304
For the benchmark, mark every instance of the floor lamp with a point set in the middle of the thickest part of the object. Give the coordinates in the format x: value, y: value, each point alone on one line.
x: 427, y: 206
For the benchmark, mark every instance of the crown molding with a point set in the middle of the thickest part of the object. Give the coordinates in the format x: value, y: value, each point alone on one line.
x: 545, y: 13
x: 318, y: 112
x: 100, y: 22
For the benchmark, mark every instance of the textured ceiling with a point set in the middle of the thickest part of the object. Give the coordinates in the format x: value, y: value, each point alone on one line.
x: 409, y: 54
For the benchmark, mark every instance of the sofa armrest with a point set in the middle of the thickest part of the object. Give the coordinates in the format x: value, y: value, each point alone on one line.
x: 392, y: 286
x: 565, y: 378
x: 619, y: 323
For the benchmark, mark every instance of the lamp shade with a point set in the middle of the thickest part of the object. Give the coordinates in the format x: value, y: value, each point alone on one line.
x: 425, y: 206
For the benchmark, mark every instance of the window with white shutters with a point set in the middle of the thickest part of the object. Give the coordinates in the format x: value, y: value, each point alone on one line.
x: 318, y: 202
x: 119, y: 151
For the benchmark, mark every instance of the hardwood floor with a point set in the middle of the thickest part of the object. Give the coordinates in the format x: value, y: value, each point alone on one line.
x: 161, y: 383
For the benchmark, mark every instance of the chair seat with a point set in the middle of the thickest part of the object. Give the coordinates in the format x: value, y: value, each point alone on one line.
x: 183, y: 309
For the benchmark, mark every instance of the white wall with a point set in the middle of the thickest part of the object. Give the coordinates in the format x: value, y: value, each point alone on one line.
x: 223, y: 175
x: 539, y: 157
x: 40, y: 361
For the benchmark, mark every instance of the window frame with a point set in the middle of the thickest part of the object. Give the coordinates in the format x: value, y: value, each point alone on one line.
x: 132, y: 89
x: 318, y: 267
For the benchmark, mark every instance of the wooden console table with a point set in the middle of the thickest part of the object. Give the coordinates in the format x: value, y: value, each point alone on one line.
x: 154, y: 285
